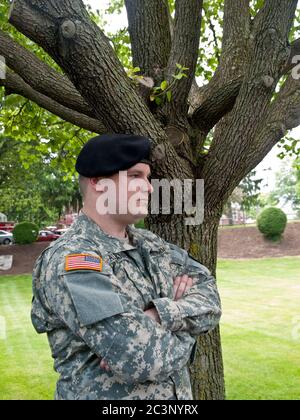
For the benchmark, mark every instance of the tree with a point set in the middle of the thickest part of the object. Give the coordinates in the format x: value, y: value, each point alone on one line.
x: 92, y: 90
x: 26, y: 195
x: 251, y: 190
x: 287, y: 188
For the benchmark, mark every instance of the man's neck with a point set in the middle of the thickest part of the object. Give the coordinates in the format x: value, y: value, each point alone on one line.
x: 106, y: 223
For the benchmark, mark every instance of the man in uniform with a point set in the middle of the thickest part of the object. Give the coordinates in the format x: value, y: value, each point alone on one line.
x: 121, y: 306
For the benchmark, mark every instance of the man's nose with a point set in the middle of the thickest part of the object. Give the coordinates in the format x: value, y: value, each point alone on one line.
x: 150, y: 187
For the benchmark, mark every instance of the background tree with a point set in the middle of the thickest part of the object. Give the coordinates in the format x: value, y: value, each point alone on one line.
x: 40, y: 194
x: 251, y: 99
x: 246, y: 195
x: 287, y: 187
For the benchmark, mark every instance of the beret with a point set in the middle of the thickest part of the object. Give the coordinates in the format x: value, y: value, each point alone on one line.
x: 108, y: 154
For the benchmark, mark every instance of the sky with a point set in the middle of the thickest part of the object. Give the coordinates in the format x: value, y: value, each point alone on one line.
x: 270, y: 165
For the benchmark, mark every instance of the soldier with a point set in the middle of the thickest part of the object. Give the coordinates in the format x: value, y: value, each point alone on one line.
x: 121, y: 307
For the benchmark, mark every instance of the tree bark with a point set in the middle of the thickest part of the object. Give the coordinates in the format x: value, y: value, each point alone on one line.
x: 41, y: 77
x: 185, y: 45
x: 149, y: 19
x: 15, y: 84
x: 207, y: 373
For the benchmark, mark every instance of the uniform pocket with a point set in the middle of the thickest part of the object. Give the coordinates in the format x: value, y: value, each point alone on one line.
x: 93, y: 296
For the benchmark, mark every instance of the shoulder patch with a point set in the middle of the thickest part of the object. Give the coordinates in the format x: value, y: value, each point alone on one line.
x: 83, y: 262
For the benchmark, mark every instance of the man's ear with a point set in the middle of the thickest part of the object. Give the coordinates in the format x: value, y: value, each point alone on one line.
x: 96, y: 185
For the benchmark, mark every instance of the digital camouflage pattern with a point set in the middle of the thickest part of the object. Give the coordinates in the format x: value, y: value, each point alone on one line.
x: 89, y: 314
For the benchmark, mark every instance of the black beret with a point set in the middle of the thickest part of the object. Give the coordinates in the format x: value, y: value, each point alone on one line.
x: 110, y: 153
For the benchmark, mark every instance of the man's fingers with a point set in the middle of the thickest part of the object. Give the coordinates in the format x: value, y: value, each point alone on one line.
x: 176, y: 285
x: 181, y: 285
x: 189, y: 283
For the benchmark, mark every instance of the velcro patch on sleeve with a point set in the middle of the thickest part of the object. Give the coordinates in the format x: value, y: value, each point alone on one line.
x: 83, y: 262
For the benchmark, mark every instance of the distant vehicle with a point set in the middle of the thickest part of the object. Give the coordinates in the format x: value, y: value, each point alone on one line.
x: 47, y: 235
x: 7, y: 226
x: 6, y: 238
x: 60, y: 231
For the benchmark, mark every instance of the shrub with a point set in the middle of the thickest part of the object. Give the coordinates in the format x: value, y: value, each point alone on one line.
x: 271, y: 222
x: 25, y: 233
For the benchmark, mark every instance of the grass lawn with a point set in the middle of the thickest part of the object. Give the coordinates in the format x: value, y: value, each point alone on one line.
x: 25, y: 361
x: 261, y: 337
x: 261, y: 327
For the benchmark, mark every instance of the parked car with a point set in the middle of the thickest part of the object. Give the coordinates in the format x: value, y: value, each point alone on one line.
x: 47, y: 235
x: 7, y: 226
x: 60, y: 231
x: 6, y: 238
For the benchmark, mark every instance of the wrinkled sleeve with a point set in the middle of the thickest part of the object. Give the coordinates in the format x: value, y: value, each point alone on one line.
x: 199, y: 309
x: 136, y: 348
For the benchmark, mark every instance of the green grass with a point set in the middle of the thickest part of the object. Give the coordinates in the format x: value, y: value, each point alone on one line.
x: 261, y: 327
x: 260, y: 311
x: 25, y: 361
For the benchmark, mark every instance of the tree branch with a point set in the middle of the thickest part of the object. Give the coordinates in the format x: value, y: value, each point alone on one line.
x: 149, y: 25
x: 42, y: 77
x: 283, y: 115
x: 185, y: 46
x: 217, y: 105
x: 67, y: 34
x: 231, y: 69
x: 236, y: 22
x: 15, y: 84
x: 269, y: 53
x: 222, y: 99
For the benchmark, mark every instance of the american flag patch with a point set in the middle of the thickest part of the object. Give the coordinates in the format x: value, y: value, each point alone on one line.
x: 83, y: 262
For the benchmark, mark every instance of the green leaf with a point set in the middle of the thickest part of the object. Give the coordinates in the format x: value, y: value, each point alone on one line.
x: 158, y: 101
x: 164, y: 85
x: 169, y: 96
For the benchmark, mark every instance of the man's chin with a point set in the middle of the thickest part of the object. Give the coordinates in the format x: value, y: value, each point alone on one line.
x: 135, y: 218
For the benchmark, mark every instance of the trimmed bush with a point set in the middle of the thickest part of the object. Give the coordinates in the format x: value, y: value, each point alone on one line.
x: 271, y: 222
x: 25, y: 233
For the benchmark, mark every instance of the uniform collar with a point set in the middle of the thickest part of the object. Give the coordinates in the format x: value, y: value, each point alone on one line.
x: 111, y: 244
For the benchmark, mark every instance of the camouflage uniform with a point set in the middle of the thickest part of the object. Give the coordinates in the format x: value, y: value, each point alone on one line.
x: 89, y: 315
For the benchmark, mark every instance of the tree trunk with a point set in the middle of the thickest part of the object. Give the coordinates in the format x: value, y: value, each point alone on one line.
x: 207, y: 373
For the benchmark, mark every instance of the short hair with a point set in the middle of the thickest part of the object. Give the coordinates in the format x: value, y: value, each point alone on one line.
x: 82, y: 185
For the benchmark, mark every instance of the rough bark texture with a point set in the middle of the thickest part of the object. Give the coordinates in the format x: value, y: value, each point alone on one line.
x: 41, y: 77
x: 15, y: 84
x: 236, y: 103
x: 149, y: 25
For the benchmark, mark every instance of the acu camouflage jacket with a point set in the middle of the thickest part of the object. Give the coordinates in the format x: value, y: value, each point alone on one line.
x: 93, y: 308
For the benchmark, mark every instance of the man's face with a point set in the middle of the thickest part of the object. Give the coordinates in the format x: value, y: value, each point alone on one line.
x: 132, y: 189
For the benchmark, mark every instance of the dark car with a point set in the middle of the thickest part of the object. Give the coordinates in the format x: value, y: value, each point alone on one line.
x: 6, y: 238
x: 47, y: 235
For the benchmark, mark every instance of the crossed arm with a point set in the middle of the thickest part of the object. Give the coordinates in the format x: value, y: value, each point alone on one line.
x: 180, y: 285
x: 135, y: 348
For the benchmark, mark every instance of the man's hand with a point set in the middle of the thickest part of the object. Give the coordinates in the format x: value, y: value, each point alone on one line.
x: 181, y: 285
x: 104, y: 365
x: 153, y: 314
